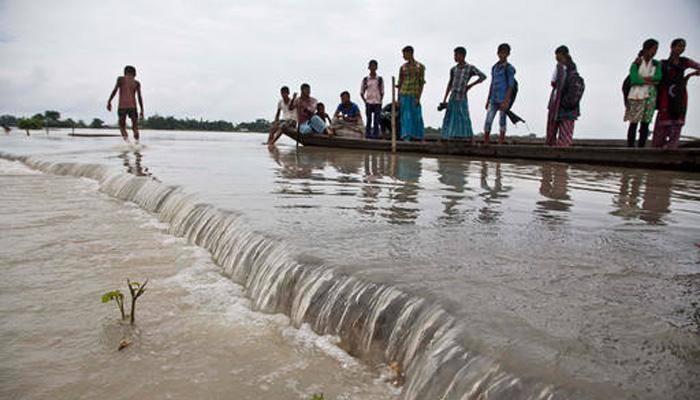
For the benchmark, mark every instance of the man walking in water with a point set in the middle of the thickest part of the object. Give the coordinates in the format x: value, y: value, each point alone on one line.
x: 128, y: 88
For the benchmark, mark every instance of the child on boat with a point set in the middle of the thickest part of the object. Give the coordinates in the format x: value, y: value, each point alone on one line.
x: 129, y: 89
x: 500, y: 93
x: 285, y: 117
x: 372, y: 93
x: 321, y: 112
x: 564, y: 100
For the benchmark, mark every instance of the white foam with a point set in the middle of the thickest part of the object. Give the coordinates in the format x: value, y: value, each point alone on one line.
x: 15, y: 168
x: 129, y: 146
x: 328, y: 344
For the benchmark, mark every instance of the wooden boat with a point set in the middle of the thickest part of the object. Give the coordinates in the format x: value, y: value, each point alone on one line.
x: 94, y: 135
x: 600, y: 152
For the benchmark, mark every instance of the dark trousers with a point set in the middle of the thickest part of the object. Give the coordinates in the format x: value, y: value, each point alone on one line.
x: 632, y: 133
x: 373, y: 113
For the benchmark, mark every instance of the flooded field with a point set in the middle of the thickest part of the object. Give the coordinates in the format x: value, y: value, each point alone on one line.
x: 287, y: 272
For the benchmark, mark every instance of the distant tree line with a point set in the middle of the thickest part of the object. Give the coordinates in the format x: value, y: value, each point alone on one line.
x: 49, y: 119
x: 52, y: 119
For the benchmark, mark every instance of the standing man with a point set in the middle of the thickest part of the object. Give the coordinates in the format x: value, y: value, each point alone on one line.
x: 457, y: 124
x: 372, y: 93
x: 500, y: 94
x: 411, y: 82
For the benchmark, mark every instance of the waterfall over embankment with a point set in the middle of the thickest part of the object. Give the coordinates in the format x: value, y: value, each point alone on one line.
x: 377, y: 323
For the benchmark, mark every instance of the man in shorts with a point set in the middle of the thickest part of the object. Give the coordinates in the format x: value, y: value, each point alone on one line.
x: 129, y: 88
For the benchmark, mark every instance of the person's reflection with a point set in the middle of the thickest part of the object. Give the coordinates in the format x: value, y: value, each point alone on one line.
x: 453, y: 174
x: 627, y: 200
x: 492, y: 194
x: 554, y: 187
x: 403, y: 196
x: 375, y: 165
x: 136, y: 168
x: 657, y: 197
x: 297, y: 170
x: 348, y: 165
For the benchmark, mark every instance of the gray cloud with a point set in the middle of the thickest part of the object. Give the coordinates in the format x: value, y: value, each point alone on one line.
x: 227, y: 59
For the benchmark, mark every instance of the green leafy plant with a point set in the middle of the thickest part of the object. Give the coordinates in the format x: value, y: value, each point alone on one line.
x: 136, y: 289
x: 117, y: 297
x: 317, y: 396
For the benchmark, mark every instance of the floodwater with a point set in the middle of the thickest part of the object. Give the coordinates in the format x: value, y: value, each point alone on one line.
x: 288, y: 272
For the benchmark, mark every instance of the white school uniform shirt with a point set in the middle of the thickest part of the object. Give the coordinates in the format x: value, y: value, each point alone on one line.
x: 286, y: 113
x: 646, y: 70
x: 373, y: 90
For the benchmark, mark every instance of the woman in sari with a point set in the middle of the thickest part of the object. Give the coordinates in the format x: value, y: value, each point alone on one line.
x: 561, y: 118
x: 673, y: 96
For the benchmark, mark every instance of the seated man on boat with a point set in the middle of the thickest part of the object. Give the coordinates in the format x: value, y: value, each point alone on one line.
x: 309, y: 122
x: 321, y: 112
x: 285, y: 117
x: 347, y: 120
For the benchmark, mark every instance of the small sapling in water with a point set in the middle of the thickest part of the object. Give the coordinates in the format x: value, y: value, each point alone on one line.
x: 118, y: 298
x: 136, y: 289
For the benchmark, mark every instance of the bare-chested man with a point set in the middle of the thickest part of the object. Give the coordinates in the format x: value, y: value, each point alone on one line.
x: 129, y: 88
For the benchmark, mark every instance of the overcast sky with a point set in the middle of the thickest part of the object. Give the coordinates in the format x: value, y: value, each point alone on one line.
x: 227, y: 59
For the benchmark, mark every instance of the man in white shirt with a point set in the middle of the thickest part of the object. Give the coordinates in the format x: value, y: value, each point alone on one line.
x: 285, y: 117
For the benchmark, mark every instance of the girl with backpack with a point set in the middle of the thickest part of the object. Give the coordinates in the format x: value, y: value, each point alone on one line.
x: 645, y: 74
x: 567, y: 90
x: 673, y: 96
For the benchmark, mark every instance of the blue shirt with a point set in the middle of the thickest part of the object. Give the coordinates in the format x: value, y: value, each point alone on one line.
x: 501, y: 80
x: 352, y: 110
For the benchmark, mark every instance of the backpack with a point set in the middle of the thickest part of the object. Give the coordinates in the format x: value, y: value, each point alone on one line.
x: 514, y: 92
x: 573, y: 91
x: 626, y: 87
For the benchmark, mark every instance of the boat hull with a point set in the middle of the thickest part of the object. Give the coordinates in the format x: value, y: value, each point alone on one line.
x: 685, y: 159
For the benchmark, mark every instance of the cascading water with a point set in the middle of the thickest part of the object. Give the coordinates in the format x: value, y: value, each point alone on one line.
x: 377, y: 323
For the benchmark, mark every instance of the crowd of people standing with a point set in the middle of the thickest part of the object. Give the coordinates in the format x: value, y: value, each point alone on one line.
x: 651, y: 85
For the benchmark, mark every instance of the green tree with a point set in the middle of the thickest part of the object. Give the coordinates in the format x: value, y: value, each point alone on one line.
x: 81, y: 124
x: 8, y: 120
x: 30, y: 123
x: 51, y: 117
x: 97, y: 123
x: 39, y: 117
